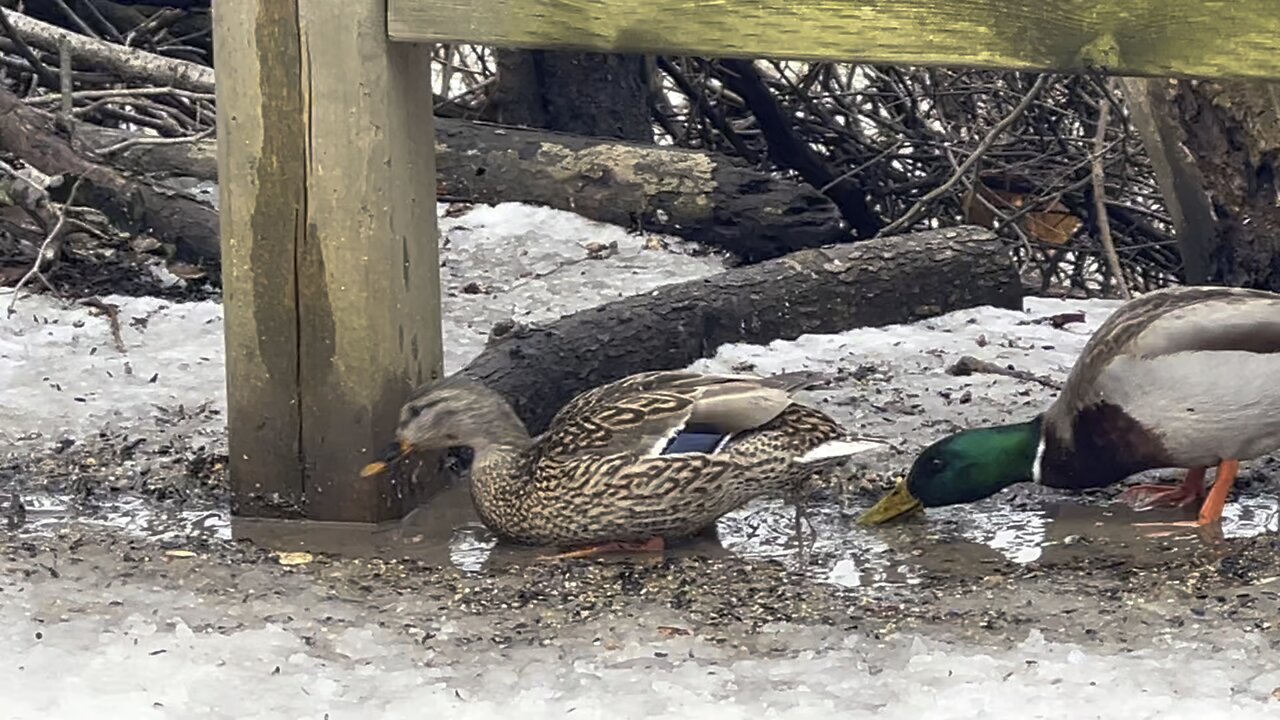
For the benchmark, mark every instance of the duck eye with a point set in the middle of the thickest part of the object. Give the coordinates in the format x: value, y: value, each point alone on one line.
x: 937, y: 464
x: 414, y: 411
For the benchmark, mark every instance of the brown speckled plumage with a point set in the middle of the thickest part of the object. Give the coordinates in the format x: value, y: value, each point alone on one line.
x: 597, y: 474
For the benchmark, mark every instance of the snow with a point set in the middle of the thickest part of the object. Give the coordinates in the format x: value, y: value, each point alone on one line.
x: 532, y: 265
x: 60, y: 376
x: 128, y: 651
x: 73, y: 649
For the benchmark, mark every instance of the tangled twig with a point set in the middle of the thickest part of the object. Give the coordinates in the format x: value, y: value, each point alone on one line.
x: 914, y: 213
x: 46, y: 252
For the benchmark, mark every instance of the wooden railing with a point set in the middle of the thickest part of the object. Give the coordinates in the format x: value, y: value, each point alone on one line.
x: 1198, y: 38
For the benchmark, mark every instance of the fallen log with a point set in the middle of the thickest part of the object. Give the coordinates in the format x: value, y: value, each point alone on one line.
x: 129, y: 63
x: 705, y: 197
x: 877, y: 282
x: 196, y: 159
x: 708, y: 198
x: 131, y: 204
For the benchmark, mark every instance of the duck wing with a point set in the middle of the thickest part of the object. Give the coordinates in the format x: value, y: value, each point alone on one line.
x: 1169, y: 327
x: 655, y: 413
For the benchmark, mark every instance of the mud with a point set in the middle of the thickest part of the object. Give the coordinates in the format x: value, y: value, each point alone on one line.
x: 1074, y: 567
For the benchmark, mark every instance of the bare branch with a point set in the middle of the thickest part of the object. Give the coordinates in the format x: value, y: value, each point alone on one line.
x: 130, y: 63
x: 135, y: 141
x: 44, y: 73
x: 76, y: 19
x: 969, y: 365
x: 65, y: 83
x: 112, y: 312
x: 118, y: 93
x: 46, y: 252
x: 1100, y: 198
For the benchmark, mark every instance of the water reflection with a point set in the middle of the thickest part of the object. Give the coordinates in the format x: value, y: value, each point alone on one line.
x: 132, y: 515
x: 830, y: 548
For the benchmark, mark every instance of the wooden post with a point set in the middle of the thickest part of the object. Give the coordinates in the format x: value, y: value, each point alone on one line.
x: 330, y: 270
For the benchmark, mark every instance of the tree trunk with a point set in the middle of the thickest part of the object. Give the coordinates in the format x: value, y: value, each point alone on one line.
x: 1232, y: 132
x: 1181, y: 185
x: 709, y: 198
x: 886, y: 280
x: 788, y: 150
x: 581, y: 93
x: 705, y: 197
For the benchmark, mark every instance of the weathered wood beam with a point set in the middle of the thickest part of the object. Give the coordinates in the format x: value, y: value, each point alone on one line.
x: 329, y: 250
x: 1192, y: 38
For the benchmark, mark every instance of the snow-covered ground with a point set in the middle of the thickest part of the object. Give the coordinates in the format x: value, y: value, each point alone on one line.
x: 72, y: 647
x: 60, y: 374
x: 173, y: 655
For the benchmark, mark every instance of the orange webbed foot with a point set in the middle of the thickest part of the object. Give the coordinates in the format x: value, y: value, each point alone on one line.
x: 654, y: 544
x: 1210, y: 517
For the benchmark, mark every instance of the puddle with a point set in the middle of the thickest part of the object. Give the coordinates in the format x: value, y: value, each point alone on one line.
x: 831, y: 547
x: 131, y: 515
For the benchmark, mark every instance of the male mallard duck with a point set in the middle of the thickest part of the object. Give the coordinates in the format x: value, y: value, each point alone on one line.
x: 623, y: 466
x: 1184, y: 377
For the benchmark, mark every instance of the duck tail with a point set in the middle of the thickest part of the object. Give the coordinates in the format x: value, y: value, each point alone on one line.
x: 799, y: 380
x: 840, y: 448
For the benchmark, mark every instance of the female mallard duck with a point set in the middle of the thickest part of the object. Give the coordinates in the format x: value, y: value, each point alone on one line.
x: 625, y: 465
x: 1185, y: 377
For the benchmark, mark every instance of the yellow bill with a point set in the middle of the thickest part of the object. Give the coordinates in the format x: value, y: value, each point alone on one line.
x: 374, y: 468
x: 898, y: 502
x: 390, y: 455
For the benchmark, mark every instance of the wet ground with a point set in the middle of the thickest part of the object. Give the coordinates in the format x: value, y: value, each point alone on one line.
x: 114, y: 517
x: 146, y: 499
x: 1073, y: 567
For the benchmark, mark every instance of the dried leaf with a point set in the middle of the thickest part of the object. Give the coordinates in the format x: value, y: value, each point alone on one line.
x: 180, y: 553
x: 1054, y: 225
x: 185, y: 271
x: 294, y: 558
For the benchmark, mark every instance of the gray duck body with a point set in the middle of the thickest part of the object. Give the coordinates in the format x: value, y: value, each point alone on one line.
x: 1183, y: 377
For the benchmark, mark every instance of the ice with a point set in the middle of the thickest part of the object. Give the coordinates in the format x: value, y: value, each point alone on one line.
x: 532, y: 264
x: 75, y: 647
x: 62, y: 376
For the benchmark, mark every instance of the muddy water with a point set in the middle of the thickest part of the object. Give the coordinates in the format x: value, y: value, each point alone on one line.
x: 828, y: 546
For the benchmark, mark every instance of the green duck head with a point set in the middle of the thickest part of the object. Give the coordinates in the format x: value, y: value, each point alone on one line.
x: 963, y: 468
